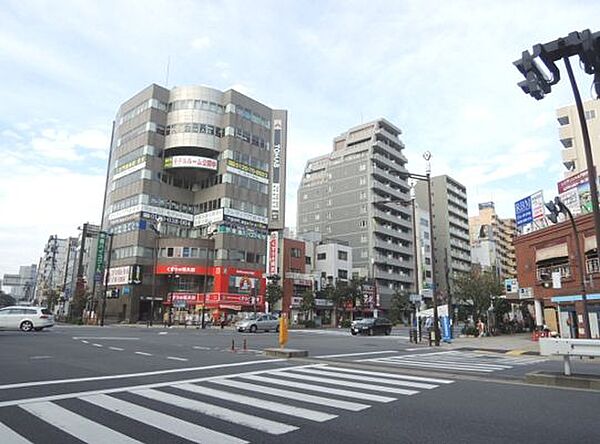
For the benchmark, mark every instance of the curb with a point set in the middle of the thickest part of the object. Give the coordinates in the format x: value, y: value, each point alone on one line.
x: 512, y: 352
x: 589, y: 382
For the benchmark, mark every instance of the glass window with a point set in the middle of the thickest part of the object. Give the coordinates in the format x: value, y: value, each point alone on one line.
x: 321, y: 256
x: 343, y: 255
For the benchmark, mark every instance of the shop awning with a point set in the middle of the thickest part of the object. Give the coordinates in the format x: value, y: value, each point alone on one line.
x: 590, y: 243
x: 553, y: 252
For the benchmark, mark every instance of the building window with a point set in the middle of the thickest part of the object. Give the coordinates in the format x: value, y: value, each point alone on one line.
x: 329, y: 202
x: 362, y: 224
x: 590, y: 114
x: 427, y: 261
x: 343, y: 255
x: 342, y: 274
x: 362, y: 167
x: 363, y: 209
x: 363, y: 239
x: 427, y: 273
x: 364, y: 254
x: 363, y: 195
x: 307, y: 260
x: 317, y: 216
x: 305, y: 196
x: 321, y: 256
x: 295, y: 252
x: 362, y: 181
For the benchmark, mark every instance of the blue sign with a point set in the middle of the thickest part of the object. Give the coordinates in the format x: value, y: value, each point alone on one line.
x: 523, y: 212
x: 446, y: 333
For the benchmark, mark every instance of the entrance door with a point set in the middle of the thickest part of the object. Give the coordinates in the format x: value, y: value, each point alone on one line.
x: 565, y: 331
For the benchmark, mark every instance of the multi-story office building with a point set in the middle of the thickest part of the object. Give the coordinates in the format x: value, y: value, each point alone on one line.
x: 492, y: 242
x: 198, y: 175
x: 452, y: 252
x: 570, y: 135
x: 22, y: 285
x: 348, y: 195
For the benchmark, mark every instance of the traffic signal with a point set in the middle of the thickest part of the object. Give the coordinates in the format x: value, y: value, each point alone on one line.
x: 536, y: 84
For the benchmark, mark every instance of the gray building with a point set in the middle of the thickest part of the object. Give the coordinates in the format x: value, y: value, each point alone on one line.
x: 207, y: 169
x: 345, y: 196
x: 22, y: 285
x: 452, y: 252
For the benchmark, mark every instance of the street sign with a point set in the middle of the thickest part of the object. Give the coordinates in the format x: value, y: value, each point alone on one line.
x: 556, y: 282
x: 415, y: 298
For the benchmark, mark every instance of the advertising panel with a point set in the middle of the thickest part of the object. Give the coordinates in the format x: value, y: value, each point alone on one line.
x: 530, y: 213
x: 575, y: 193
x: 205, y: 163
x: 210, y: 217
x: 241, y: 169
x: 119, y: 275
x: 179, y: 269
x: 272, y: 247
x: 244, y: 215
x: 139, y: 208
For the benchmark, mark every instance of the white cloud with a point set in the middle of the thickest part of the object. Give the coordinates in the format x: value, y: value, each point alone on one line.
x: 201, y: 43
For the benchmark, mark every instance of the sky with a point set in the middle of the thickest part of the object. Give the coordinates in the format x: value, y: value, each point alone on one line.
x: 441, y: 71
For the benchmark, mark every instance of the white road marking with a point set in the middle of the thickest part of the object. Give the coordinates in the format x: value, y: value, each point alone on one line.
x: 140, y: 386
x: 78, y: 426
x: 170, y: 424
x: 134, y: 375
x: 143, y: 353
x: 175, y: 358
x: 317, y: 388
x: 107, y: 338
x: 288, y: 394
x: 12, y: 437
x: 40, y: 357
x: 85, y: 342
x: 413, y: 349
x: 197, y: 347
x: 435, y: 365
x: 371, y: 387
x: 388, y: 375
x: 357, y: 354
x: 116, y: 349
x: 163, y: 332
x: 238, y: 418
x: 97, y: 345
x: 363, y: 378
x: 277, y: 407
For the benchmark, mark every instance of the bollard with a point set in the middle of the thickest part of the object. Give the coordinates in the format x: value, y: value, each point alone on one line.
x: 233, y: 345
x: 245, y: 347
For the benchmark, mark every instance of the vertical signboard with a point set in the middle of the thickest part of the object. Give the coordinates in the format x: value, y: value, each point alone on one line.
x: 272, y: 247
x: 277, y: 173
x: 575, y: 193
x: 100, y: 256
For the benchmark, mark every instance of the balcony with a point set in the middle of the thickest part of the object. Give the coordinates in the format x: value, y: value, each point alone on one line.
x: 564, y: 269
x: 382, y: 229
x: 592, y: 265
x: 394, y: 193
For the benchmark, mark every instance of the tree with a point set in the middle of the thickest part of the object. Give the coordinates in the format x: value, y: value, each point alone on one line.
x: 307, y: 305
x: 273, y: 294
x: 476, y: 289
x: 400, y: 305
x: 6, y: 300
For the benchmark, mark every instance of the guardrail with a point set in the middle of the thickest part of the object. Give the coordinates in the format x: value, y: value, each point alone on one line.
x: 569, y: 347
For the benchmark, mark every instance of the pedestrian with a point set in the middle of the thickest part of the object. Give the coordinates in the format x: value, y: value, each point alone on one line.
x: 166, y: 319
x: 170, y: 317
x: 188, y: 319
x: 197, y: 320
x: 480, y: 327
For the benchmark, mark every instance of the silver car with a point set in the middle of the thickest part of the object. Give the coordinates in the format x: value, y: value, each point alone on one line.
x: 262, y: 322
x: 25, y: 318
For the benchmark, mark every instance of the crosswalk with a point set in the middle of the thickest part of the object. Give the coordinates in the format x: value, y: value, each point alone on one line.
x: 228, y: 409
x: 455, y: 360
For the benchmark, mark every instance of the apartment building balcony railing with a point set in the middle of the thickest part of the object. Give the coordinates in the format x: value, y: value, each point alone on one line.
x: 542, y: 273
x: 592, y: 265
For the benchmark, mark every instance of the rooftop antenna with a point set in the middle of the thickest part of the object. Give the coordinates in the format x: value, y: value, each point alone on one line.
x: 167, y: 77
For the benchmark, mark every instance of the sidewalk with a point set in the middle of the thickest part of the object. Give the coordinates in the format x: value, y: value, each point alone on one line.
x: 516, y: 344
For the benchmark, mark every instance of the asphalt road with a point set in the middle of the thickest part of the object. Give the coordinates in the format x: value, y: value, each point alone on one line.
x: 122, y: 384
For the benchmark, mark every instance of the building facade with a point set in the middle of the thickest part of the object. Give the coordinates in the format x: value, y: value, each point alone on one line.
x: 358, y: 194
x: 549, y: 272
x: 569, y: 131
x: 452, y: 252
x: 22, y: 285
x: 196, y: 175
x: 492, y: 239
x: 53, y: 272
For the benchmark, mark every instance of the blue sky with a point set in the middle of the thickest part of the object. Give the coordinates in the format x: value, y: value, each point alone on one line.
x: 442, y: 71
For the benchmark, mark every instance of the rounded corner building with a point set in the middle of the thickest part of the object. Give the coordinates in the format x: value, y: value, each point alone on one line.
x: 195, y: 183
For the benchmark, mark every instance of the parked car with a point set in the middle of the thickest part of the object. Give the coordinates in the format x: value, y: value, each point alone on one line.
x: 371, y: 326
x: 25, y: 318
x: 262, y: 322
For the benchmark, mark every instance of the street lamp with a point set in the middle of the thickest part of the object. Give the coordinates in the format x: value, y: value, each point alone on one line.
x: 210, y: 230
x: 426, y: 178
x: 555, y: 209
x: 156, y: 228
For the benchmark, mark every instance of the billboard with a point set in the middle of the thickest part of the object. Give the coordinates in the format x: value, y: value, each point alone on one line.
x: 277, y: 171
x: 530, y: 213
x: 272, y: 248
x: 575, y: 193
x: 205, y: 163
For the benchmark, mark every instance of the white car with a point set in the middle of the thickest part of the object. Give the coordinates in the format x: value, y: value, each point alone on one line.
x: 264, y: 322
x: 25, y: 318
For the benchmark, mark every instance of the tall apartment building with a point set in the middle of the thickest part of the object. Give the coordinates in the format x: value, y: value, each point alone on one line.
x: 452, y: 252
x: 492, y: 242
x: 207, y: 168
x: 53, y: 272
x: 345, y: 196
x: 573, y: 154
